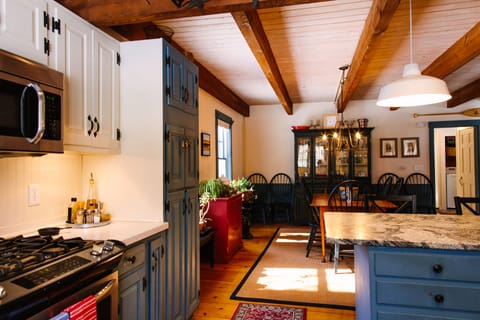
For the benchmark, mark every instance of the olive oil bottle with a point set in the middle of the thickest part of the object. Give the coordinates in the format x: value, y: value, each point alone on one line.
x: 91, y: 199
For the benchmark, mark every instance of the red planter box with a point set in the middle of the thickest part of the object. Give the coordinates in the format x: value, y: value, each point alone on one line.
x: 226, y: 215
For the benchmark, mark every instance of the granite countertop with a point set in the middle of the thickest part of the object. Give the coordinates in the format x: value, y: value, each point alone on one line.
x: 433, y: 231
x: 125, y: 231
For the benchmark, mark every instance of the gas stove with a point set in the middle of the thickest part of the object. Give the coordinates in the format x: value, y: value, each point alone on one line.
x: 44, y: 266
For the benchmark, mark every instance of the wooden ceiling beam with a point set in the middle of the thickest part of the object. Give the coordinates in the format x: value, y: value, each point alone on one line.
x: 207, y: 81
x: 464, y: 94
x: 462, y: 51
x: 377, y: 22
x: 118, y: 12
x: 252, y: 30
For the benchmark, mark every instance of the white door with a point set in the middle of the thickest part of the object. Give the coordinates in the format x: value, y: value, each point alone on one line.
x: 465, y: 162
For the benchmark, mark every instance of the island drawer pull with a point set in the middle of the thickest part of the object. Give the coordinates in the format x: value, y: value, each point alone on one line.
x: 439, y: 298
x: 437, y: 268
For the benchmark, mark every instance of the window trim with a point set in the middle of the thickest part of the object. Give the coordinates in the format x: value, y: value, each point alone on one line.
x: 223, y: 117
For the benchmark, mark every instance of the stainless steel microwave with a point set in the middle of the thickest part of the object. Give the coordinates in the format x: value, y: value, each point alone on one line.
x: 31, y: 108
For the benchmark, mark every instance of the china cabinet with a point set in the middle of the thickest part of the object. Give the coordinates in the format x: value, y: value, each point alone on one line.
x: 323, y: 159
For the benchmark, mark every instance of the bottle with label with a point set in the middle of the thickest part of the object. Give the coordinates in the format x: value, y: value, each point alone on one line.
x: 91, y: 199
x: 72, y: 210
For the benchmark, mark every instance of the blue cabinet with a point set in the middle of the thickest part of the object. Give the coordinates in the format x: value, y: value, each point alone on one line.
x: 157, y: 277
x: 181, y: 75
x: 133, y: 284
x: 411, y: 283
x: 181, y: 185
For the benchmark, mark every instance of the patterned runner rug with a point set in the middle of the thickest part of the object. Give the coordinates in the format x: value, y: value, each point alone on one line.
x: 282, y: 274
x: 250, y: 311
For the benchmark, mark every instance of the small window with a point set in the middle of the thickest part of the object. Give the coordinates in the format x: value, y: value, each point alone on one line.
x: 224, y: 145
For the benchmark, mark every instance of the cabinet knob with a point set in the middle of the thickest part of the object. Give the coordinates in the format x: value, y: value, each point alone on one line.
x: 437, y: 268
x: 439, y: 298
x: 131, y: 259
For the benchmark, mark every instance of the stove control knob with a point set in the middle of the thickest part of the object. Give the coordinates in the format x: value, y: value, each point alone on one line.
x: 3, y: 292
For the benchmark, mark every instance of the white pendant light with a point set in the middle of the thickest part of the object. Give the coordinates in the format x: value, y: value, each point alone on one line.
x: 413, y: 89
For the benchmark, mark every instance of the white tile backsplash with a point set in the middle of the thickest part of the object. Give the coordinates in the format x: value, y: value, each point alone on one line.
x: 59, y: 178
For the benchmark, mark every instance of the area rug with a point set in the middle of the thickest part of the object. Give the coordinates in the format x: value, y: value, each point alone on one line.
x: 250, y: 311
x: 282, y: 274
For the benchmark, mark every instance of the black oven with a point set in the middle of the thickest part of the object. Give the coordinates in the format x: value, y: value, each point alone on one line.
x: 31, y: 112
x: 41, y: 276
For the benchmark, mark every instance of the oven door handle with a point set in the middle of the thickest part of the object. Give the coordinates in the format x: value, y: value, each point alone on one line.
x: 105, y: 290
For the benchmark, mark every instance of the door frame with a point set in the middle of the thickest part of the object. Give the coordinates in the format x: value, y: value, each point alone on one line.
x: 449, y: 124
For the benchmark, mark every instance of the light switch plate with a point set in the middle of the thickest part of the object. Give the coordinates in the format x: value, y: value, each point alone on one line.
x: 33, y: 195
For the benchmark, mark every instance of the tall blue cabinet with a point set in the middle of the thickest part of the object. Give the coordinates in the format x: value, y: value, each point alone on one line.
x: 181, y: 183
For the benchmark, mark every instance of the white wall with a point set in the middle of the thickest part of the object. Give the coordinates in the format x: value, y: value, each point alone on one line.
x: 207, y: 164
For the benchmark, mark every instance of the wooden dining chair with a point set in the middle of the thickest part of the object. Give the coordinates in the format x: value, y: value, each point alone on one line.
x: 281, y: 197
x: 346, y: 196
x: 420, y: 185
x: 391, y: 203
x: 389, y: 183
x: 472, y: 204
x: 261, y: 203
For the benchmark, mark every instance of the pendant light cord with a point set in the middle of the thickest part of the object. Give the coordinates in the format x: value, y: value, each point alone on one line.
x: 411, y: 35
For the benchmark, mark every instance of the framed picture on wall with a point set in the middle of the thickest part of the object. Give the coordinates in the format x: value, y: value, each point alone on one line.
x: 388, y: 148
x: 205, y: 144
x: 410, y: 147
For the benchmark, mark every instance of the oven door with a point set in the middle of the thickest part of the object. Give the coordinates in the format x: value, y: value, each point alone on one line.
x: 105, y: 291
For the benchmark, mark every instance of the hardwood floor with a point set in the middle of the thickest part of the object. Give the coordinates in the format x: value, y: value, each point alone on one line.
x: 218, y: 283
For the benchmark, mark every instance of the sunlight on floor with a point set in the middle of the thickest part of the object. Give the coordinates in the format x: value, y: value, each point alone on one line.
x: 341, y: 281
x: 289, y: 279
x: 292, y: 237
x: 307, y: 279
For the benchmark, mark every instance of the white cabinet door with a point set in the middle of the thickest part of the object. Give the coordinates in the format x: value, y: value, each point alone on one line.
x: 106, y: 91
x: 22, y: 28
x: 78, y: 81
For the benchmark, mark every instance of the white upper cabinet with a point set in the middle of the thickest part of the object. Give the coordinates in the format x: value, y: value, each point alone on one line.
x: 46, y: 32
x: 22, y: 28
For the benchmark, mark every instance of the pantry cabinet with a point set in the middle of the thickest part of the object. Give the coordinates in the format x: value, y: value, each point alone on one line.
x: 181, y: 183
x: 181, y: 85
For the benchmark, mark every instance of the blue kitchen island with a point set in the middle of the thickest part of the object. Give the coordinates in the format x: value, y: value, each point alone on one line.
x: 412, y: 266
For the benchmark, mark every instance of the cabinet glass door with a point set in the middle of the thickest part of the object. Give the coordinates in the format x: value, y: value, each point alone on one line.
x: 321, y: 157
x: 303, y: 157
x: 360, y: 158
x: 342, y: 162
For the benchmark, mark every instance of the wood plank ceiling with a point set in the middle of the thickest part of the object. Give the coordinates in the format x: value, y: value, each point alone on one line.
x: 290, y: 51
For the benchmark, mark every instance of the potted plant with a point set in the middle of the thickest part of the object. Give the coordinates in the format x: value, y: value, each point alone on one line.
x: 210, y: 190
x: 245, y: 187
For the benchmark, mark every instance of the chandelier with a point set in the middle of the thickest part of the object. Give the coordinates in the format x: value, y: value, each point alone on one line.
x: 344, y: 137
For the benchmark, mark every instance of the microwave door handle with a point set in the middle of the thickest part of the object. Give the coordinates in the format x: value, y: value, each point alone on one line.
x: 41, y: 112
x: 104, y: 291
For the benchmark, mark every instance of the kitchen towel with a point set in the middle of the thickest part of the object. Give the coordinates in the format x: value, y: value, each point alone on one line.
x: 85, y: 309
x: 61, y: 316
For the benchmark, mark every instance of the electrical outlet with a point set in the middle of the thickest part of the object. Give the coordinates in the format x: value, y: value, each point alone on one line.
x: 33, y: 195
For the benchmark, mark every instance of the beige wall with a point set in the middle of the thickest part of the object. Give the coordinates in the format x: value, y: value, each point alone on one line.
x: 207, y: 164
x: 269, y: 140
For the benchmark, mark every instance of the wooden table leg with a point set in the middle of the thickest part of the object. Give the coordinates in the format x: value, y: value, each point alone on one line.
x: 322, y: 231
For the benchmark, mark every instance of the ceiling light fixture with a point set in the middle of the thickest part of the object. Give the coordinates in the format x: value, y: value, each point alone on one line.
x: 413, y: 89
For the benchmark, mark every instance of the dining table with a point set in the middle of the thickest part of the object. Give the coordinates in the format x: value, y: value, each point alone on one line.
x: 320, y: 200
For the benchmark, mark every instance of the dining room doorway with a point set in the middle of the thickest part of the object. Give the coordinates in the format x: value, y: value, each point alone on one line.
x: 463, y: 169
